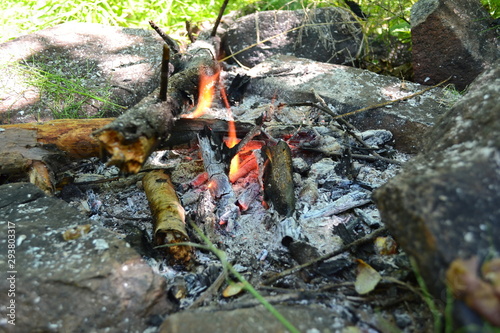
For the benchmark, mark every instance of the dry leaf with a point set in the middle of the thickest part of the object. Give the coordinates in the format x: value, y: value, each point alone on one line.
x: 233, y: 289
x: 367, y: 278
x: 479, y: 295
x: 385, y: 245
x: 76, y: 232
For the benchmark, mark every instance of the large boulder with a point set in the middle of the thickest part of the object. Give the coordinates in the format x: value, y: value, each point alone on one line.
x: 451, y: 38
x: 91, y: 282
x: 120, y: 64
x: 445, y: 204
x: 322, y: 34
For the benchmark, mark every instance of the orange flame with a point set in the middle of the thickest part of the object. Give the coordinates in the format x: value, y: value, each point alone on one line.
x: 205, y: 97
x: 205, y: 94
x: 232, y: 139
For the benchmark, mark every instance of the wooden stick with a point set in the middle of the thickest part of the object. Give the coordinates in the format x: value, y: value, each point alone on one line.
x: 172, y: 44
x: 165, y: 62
x: 216, y: 161
x: 168, y: 216
x: 219, y: 17
x: 371, y: 107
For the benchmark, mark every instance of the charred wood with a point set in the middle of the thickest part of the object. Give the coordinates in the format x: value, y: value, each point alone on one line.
x: 133, y: 136
x: 216, y: 158
x: 278, y: 182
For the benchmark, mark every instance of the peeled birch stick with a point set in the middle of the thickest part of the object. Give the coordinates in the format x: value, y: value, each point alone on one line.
x: 168, y: 216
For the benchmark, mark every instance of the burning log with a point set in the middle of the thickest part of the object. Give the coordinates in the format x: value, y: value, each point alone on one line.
x: 168, y: 216
x: 133, y: 136
x: 216, y: 157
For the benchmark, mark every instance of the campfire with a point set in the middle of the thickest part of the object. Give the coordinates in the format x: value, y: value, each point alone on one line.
x: 284, y: 190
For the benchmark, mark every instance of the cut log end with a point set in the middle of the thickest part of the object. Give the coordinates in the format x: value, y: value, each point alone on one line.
x: 178, y: 254
x: 127, y: 156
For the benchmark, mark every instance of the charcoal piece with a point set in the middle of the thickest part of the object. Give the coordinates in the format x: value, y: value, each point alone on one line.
x: 278, y: 182
x: 335, y: 268
x: 302, y: 252
x: 237, y: 88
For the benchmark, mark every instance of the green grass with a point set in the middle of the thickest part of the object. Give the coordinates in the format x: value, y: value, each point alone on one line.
x: 64, y: 95
x: 23, y: 17
x: 387, y: 28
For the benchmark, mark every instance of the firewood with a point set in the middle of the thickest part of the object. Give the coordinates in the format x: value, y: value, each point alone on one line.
x: 133, y: 136
x: 21, y: 144
x: 71, y: 136
x: 216, y: 156
x: 168, y: 216
x: 40, y: 175
x: 278, y: 182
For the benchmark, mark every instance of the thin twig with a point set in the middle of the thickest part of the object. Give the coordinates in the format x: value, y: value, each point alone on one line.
x: 277, y: 35
x: 256, y: 130
x: 327, y: 256
x: 170, y: 42
x: 189, y: 32
x: 350, y: 129
x: 217, y: 22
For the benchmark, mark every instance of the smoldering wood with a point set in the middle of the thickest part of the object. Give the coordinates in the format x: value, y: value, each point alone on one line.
x: 133, y: 136
x: 277, y: 179
x: 216, y: 158
x: 248, y: 196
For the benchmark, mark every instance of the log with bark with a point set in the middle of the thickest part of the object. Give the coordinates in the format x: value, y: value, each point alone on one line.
x: 168, y: 217
x: 133, y: 136
x: 24, y: 143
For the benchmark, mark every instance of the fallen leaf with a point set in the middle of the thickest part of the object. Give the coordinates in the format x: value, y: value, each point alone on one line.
x: 385, y: 245
x: 76, y: 232
x: 465, y: 284
x: 233, y: 289
x: 367, y: 278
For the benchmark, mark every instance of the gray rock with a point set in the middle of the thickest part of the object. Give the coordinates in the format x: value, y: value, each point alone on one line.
x: 345, y: 89
x: 308, y: 318
x: 93, y: 283
x: 121, y: 61
x: 445, y: 204
x: 451, y: 38
x: 322, y: 34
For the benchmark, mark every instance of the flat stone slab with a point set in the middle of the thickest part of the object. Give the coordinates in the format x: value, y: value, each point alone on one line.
x: 95, y: 282
x: 123, y: 61
x: 294, y: 80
